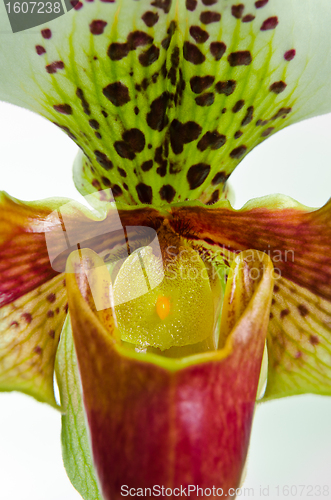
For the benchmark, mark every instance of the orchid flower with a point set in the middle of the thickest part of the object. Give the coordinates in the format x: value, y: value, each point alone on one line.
x: 172, y: 294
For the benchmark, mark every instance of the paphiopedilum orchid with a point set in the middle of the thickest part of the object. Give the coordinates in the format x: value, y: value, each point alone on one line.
x: 172, y: 293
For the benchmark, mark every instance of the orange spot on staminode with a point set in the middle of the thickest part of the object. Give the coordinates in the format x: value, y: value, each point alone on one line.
x: 162, y: 307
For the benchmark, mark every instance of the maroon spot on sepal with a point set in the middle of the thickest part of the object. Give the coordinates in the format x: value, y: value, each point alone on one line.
x: 289, y: 55
x: 96, y: 184
x: 117, y: 190
x: 94, y: 124
x: 135, y: 139
x: 40, y: 50
x: 199, y: 35
x: 267, y: 131
x: 217, y: 49
x: 200, y: 83
x: 270, y: 23
x: 150, y: 18
x: 85, y: 104
x: 77, y: 5
x: 209, y: 17
x: 238, y: 106
x: 97, y: 27
x: 248, y: 117
x: 238, y: 152
x: 197, y: 174
x: 240, y: 58
x: 191, y: 5
x: 183, y: 133
x: 106, y: 182
x: 138, y: 39
x: 38, y: 350
x: 261, y: 3
x: 46, y: 33
x: 117, y: 51
x: 124, y: 150
x: 193, y: 54
x: 214, y: 140
x: 157, y: 116
x: 117, y: 93
x: 226, y: 88
x: 248, y: 18
x: 237, y: 10
x: 283, y: 112
x: 167, y: 193
x: 162, y: 4
x: 206, y: 99
x: 278, y: 87
x: 147, y: 165
x: 103, y: 160
x: 145, y: 193
x: 64, y: 109
x: 220, y: 178
x: 54, y: 66
x: 214, y: 197
x: 150, y: 56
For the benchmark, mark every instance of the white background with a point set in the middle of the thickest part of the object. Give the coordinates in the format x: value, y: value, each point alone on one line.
x: 291, y: 440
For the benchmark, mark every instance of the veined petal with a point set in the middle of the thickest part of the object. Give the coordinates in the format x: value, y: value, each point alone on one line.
x: 33, y: 302
x: 166, y: 97
x: 30, y: 329
x: 155, y: 420
x: 298, y: 240
x: 299, y: 342
x: 24, y: 261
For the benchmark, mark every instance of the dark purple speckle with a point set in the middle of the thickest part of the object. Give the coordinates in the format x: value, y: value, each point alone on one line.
x: 46, y: 33
x: 289, y: 55
x: 97, y: 27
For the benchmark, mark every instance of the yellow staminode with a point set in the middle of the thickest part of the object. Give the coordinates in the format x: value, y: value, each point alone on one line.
x: 164, y: 301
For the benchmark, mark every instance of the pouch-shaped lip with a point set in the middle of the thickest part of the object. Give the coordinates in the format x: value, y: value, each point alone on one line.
x: 162, y: 421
